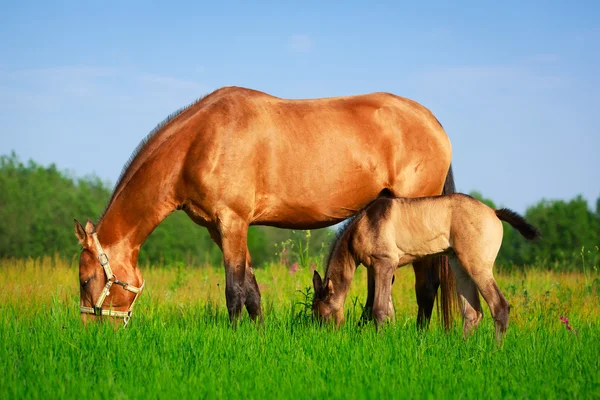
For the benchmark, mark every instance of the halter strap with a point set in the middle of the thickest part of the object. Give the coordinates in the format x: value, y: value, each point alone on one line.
x: 111, y: 279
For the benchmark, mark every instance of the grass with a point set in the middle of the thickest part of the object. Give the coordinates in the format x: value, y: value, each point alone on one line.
x: 179, y: 342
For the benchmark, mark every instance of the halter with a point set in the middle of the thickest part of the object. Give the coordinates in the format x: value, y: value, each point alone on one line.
x: 111, y: 279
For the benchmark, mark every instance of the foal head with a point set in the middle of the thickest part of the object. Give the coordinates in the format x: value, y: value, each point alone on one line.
x: 325, y: 304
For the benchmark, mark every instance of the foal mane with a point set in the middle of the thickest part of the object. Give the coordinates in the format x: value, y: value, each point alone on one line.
x: 139, y: 151
x: 341, y: 234
x: 348, y: 226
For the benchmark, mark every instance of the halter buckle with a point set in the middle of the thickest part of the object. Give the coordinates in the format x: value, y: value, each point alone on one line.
x: 127, y: 318
x: 116, y: 281
x: 103, y: 258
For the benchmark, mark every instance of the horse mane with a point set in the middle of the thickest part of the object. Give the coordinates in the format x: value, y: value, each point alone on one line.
x: 140, y: 147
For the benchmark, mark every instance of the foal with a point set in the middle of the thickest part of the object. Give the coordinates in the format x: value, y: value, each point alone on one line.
x: 392, y: 232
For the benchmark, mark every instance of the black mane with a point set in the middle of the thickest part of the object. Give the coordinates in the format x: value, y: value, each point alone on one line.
x: 348, y: 224
x: 342, y: 232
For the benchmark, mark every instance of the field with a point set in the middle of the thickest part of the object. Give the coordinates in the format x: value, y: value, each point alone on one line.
x: 179, y: 342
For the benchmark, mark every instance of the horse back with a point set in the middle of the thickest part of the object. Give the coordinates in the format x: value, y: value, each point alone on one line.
x: 314, y: 161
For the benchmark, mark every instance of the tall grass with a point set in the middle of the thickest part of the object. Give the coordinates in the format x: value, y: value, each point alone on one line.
x: 180, y: 343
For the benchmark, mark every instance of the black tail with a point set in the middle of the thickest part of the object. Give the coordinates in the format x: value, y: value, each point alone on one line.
x: 449, y: 186
x: 528, y: 231
x: 447, y: 301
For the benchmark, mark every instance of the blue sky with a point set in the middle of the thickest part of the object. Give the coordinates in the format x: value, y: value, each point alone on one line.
x: 515, y: 84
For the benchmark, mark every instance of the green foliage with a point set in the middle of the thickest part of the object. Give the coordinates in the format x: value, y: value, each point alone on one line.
x: 570, y: 232
x: 305, y: 249
x: 177, y: 239
x: 38, y: 204
x: 567, y: 227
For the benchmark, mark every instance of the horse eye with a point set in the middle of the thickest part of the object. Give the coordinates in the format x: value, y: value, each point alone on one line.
x: 84, y: 283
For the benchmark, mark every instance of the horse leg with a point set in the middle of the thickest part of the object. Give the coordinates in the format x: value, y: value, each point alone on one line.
x: 252, y: 292
x: 233, y: 232
x: 468, y: 297
x: 427, y: 282
x: 251, y: 286
x: 383, y: 273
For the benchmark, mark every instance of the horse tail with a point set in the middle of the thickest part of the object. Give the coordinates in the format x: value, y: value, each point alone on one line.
x: 449, y: 186
x: 528, y: 231
x: 447, y: 300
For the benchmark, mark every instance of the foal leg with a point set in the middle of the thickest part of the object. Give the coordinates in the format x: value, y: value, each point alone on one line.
x: 498, y: 304
x: 233, y: 232
x: 427, y: 282
x: 367, y: 314
x: 383, y: 273
x: 391, y: 309
x: 468, y: 297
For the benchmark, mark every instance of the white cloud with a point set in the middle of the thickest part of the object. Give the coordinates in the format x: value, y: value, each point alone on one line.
x: 300, y: 44
x: 501, y: 78
x: 541, y: 58
x: 68, y: 86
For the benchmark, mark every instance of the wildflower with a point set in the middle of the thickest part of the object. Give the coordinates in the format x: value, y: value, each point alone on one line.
x: 283, y: 257
x: 565, y: 321
x: 313, y: 267
x: 294, y: 268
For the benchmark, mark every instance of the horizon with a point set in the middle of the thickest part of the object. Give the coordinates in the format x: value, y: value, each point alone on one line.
x: 514, y: 85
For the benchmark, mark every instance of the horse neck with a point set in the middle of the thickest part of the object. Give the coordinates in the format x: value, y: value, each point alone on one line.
x: 341, y: 267
x: 137, y: 209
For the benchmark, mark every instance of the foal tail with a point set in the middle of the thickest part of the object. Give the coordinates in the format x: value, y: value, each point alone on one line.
x: 528, y: 231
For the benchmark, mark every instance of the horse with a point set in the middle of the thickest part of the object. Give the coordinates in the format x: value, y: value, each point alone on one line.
x: 239, y: 157
x: 392, y: 232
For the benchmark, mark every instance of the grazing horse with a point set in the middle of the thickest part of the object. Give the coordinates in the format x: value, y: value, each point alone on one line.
x: 238, y: 157
x: 390, y: 233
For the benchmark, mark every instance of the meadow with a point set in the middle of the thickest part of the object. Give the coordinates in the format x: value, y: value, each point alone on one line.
x: 179, y: 341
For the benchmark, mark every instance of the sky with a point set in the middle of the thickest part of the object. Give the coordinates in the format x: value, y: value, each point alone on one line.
x: 516, y: 85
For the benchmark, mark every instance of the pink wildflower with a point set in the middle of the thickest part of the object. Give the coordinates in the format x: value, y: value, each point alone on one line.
x: 565, y: 321
x: 294, y: 268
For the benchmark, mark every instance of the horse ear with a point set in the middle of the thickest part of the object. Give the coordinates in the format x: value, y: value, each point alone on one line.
x: 317, y: 282
x: 89, y: 227
x: 80, y: 233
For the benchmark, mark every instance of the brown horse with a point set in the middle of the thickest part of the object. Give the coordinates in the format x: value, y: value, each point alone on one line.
x: 390, y: 233
x: 239, y: 157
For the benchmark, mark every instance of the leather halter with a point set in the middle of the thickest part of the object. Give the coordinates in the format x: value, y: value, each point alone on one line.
x: 111, y: 279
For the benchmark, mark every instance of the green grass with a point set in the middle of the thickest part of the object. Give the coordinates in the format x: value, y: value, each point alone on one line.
x: 180, y: 343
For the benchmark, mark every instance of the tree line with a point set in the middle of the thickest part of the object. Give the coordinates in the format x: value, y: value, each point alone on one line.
x: 570, y: 236
x: 38, y: 204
